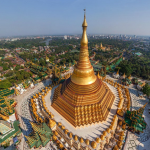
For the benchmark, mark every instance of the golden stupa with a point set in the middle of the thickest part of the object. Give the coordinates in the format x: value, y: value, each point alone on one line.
x: 83, y: 98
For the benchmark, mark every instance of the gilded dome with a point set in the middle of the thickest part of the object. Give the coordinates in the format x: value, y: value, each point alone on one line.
x: 54, y: 138
x: 104, y: 133
x: 102, y: 137
x: 87, y: 142
x: 56, y: 133
x: 97, y: 140
x: 108, y: 130
x: 70, y: 135
x: 76, y: 138
x: 81, y: 140
x: 52, y: 123
x: 59, y: 124
x: 93, y: 144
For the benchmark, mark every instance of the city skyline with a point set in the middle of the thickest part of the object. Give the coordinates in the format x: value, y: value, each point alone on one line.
x: 44, y: 17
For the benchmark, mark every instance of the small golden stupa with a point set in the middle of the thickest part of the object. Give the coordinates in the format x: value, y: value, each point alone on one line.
x: 83, y: 98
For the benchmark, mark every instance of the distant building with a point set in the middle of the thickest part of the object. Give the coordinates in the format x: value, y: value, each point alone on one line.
x: 65, y: 37
x: 47, y: 59
x: 102, y: 47
x: 138, y: 54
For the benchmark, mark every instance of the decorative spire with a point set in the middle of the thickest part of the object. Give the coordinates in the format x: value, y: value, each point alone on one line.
x: 83, y: 71
x: 84, y: 40
x: 101, y: 45
x: 118, y: 72
x: 124, y: 75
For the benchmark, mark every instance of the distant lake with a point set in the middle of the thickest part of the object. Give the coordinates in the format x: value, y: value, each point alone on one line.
x: 46, y: 41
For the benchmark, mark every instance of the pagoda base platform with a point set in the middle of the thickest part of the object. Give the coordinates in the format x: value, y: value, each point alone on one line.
x: 87, y: 131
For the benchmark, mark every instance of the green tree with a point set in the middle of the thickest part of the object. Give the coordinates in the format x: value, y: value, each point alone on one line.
x: 5, y: 84
x: 125, y: 68
x: 146, y: 89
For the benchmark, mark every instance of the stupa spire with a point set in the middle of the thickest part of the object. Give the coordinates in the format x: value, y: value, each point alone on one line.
x: 83, y: 71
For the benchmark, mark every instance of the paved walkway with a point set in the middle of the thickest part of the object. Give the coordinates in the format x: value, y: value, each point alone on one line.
x: 141, y: 141
x: 24, y: 113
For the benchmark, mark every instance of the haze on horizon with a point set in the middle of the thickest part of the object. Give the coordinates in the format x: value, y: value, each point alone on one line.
x: 49, y: 17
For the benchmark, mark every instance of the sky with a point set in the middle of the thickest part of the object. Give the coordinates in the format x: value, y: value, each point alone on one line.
x: 56, y: 17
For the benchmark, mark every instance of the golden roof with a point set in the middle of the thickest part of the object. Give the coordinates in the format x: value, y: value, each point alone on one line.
x: 52, y: 123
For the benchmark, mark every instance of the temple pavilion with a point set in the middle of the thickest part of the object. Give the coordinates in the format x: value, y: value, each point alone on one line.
x: 40, y: 136
x: 134, y: 119
x: 83, y: 98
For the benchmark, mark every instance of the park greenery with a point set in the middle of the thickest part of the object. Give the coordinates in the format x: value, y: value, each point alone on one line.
x: 24, y: 43
x: 15, y: 77
x: 146, y: 89
x: 136, y: 66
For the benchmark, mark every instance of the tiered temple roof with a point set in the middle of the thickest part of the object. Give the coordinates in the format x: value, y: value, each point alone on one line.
x: 83, y: 98
x: 134, y: 119
x: 6, y: 105
x: 41, y: 135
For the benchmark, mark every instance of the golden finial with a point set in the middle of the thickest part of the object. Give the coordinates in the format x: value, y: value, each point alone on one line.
x: 101, y: 45
x: 118, y: 72
x: 124, y: 75
x: 84, y: 40
x: 129, y: 77
x: 84, y: 24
